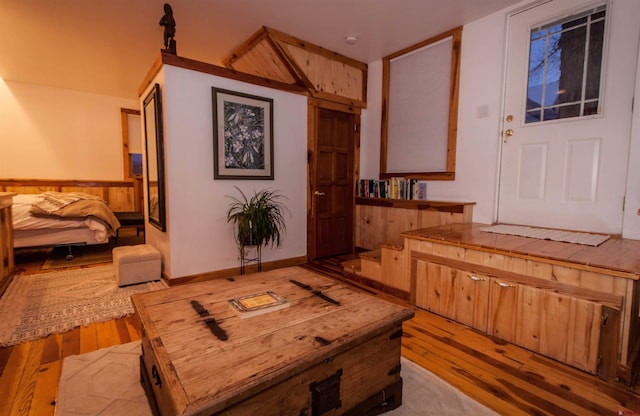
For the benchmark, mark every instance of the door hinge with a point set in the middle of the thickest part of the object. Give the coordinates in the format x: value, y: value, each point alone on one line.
x: 355, y: 128
x: 605, y: 319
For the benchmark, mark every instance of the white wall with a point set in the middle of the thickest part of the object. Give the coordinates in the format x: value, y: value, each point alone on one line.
x: 198, y: 238
x: 478, y: 138
x: 631, y: 228
x: 53, y: 133
x: 478, y: 144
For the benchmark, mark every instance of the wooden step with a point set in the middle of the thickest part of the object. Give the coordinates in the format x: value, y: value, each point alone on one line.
x: 373, y: 255
x: 351, y: 266
x: 390, y: 246
x: 370, y: 264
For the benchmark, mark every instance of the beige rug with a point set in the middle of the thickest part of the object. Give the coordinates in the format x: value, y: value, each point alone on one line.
x: 574, y: 237
x: 106, y: 383
x: 36, y: 305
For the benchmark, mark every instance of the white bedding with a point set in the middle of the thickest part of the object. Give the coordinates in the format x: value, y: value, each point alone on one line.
x: 25, y: 224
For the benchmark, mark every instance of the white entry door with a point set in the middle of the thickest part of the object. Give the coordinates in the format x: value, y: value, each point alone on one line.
x: 568, y: 104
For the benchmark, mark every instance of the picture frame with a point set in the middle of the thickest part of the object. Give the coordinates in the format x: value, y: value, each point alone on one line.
x: 242, y: 135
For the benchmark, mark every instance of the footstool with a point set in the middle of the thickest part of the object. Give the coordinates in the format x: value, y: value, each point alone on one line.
x: 136, y: 264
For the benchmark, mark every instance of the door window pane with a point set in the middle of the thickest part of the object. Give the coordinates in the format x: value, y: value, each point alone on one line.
x: 565, y: 61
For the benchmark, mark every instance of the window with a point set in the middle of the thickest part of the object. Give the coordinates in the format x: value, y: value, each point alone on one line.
x: 565, y: 67
x: 420, y: 109
x: 136, y: 164
x: 131, y: 143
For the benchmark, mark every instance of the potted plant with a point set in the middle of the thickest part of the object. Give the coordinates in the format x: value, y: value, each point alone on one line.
x: 259, y: 219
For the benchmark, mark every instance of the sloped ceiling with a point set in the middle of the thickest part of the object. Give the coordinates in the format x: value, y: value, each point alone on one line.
x: 107, y: 46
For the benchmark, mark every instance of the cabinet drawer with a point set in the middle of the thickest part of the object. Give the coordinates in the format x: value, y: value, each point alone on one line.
x: 551, y: 319
x: 456, y: 294
x: 559, y: 326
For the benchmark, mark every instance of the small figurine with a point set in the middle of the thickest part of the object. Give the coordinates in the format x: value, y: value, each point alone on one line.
x: 169, y: 29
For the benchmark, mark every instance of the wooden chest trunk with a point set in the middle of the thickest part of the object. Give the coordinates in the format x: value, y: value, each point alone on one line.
x: 312, y: 358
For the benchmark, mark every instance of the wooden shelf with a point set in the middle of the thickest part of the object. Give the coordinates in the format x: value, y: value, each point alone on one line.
x: 443, y: 206
x: 381, y: 221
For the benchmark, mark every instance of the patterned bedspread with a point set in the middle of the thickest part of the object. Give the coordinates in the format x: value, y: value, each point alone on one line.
x: 75, y: 206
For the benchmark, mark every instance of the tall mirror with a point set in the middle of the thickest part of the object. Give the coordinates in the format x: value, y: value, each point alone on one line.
x: 155, y: 158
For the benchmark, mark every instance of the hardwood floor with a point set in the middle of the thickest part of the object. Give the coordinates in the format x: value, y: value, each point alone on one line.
x: 506, y: 378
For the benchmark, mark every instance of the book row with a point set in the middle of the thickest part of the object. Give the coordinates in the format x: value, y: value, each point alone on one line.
x: 392, y: 188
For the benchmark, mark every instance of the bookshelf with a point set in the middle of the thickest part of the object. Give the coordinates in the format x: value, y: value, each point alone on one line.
x: 381, y: 220
x: 392, y: 188
x: 443, y: 206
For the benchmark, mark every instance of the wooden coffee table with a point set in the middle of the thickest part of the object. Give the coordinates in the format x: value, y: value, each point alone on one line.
x: 333, y: 351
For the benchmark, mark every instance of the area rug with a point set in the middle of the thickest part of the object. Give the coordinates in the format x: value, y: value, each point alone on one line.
x: 107, y: 383
x: 588, y: 239
x: 82, y: 256
x: 36, y: 305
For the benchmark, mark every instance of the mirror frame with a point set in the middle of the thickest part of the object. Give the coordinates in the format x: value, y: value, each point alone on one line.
x: 153, y: 130
x: 386, y: 139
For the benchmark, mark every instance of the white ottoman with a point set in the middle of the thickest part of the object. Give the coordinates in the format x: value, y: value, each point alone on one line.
x: 136, y: 264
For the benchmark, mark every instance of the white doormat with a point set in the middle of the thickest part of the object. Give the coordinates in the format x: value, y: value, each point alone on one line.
x: 588, y: 239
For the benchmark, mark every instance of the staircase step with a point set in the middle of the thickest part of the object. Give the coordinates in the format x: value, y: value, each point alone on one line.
x: 351, y: 266
x: 373, y: 255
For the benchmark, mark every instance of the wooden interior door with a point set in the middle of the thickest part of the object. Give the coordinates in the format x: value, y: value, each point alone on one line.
x: 333, y: 141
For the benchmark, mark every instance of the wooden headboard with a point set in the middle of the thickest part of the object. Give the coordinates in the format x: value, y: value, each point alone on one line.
x: 120, y: 195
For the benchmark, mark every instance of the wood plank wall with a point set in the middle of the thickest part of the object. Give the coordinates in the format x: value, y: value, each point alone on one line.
x: 119, y: 195
x: 380, y: 221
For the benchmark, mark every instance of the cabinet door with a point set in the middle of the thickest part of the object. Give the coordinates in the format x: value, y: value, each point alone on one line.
x: 472, y: 299
x: 434, y: 289
x: 571, y: 330
x: 503, y: 300
x: 453, y: 293
x: 528, y: 319
x: 559, y: 326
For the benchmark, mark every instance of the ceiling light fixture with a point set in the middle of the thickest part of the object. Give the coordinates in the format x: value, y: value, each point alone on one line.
x: 351, y: 40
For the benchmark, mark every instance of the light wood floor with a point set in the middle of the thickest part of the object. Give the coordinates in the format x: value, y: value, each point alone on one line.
x: 508, y: 379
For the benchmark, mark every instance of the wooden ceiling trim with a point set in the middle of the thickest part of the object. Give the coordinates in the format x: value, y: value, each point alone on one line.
x: 260, y: 55
x: 262, y: 60
x: 230, y: 73
x: 328, y: 75
x: 245, y: 47
x: 283, y: 37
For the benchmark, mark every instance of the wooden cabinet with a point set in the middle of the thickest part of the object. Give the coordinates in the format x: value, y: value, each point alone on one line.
x: 381, y: 221
x: 582, y: 313
x: 567, y: 324
x: 453, y: 293
x: 6, y: 240
x: 567, y: 328
x: 503, y: 298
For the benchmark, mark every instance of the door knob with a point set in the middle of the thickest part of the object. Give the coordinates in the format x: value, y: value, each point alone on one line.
x: 318, y: 193
x: 507, y: 134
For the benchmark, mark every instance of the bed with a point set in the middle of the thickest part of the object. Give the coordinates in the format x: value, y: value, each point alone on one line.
x: 61, y: 219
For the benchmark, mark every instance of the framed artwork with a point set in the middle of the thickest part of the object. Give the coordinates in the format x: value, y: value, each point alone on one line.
x: 242, y: 135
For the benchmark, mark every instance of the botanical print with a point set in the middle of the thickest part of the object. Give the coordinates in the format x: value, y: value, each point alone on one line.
x: 244, y: 136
